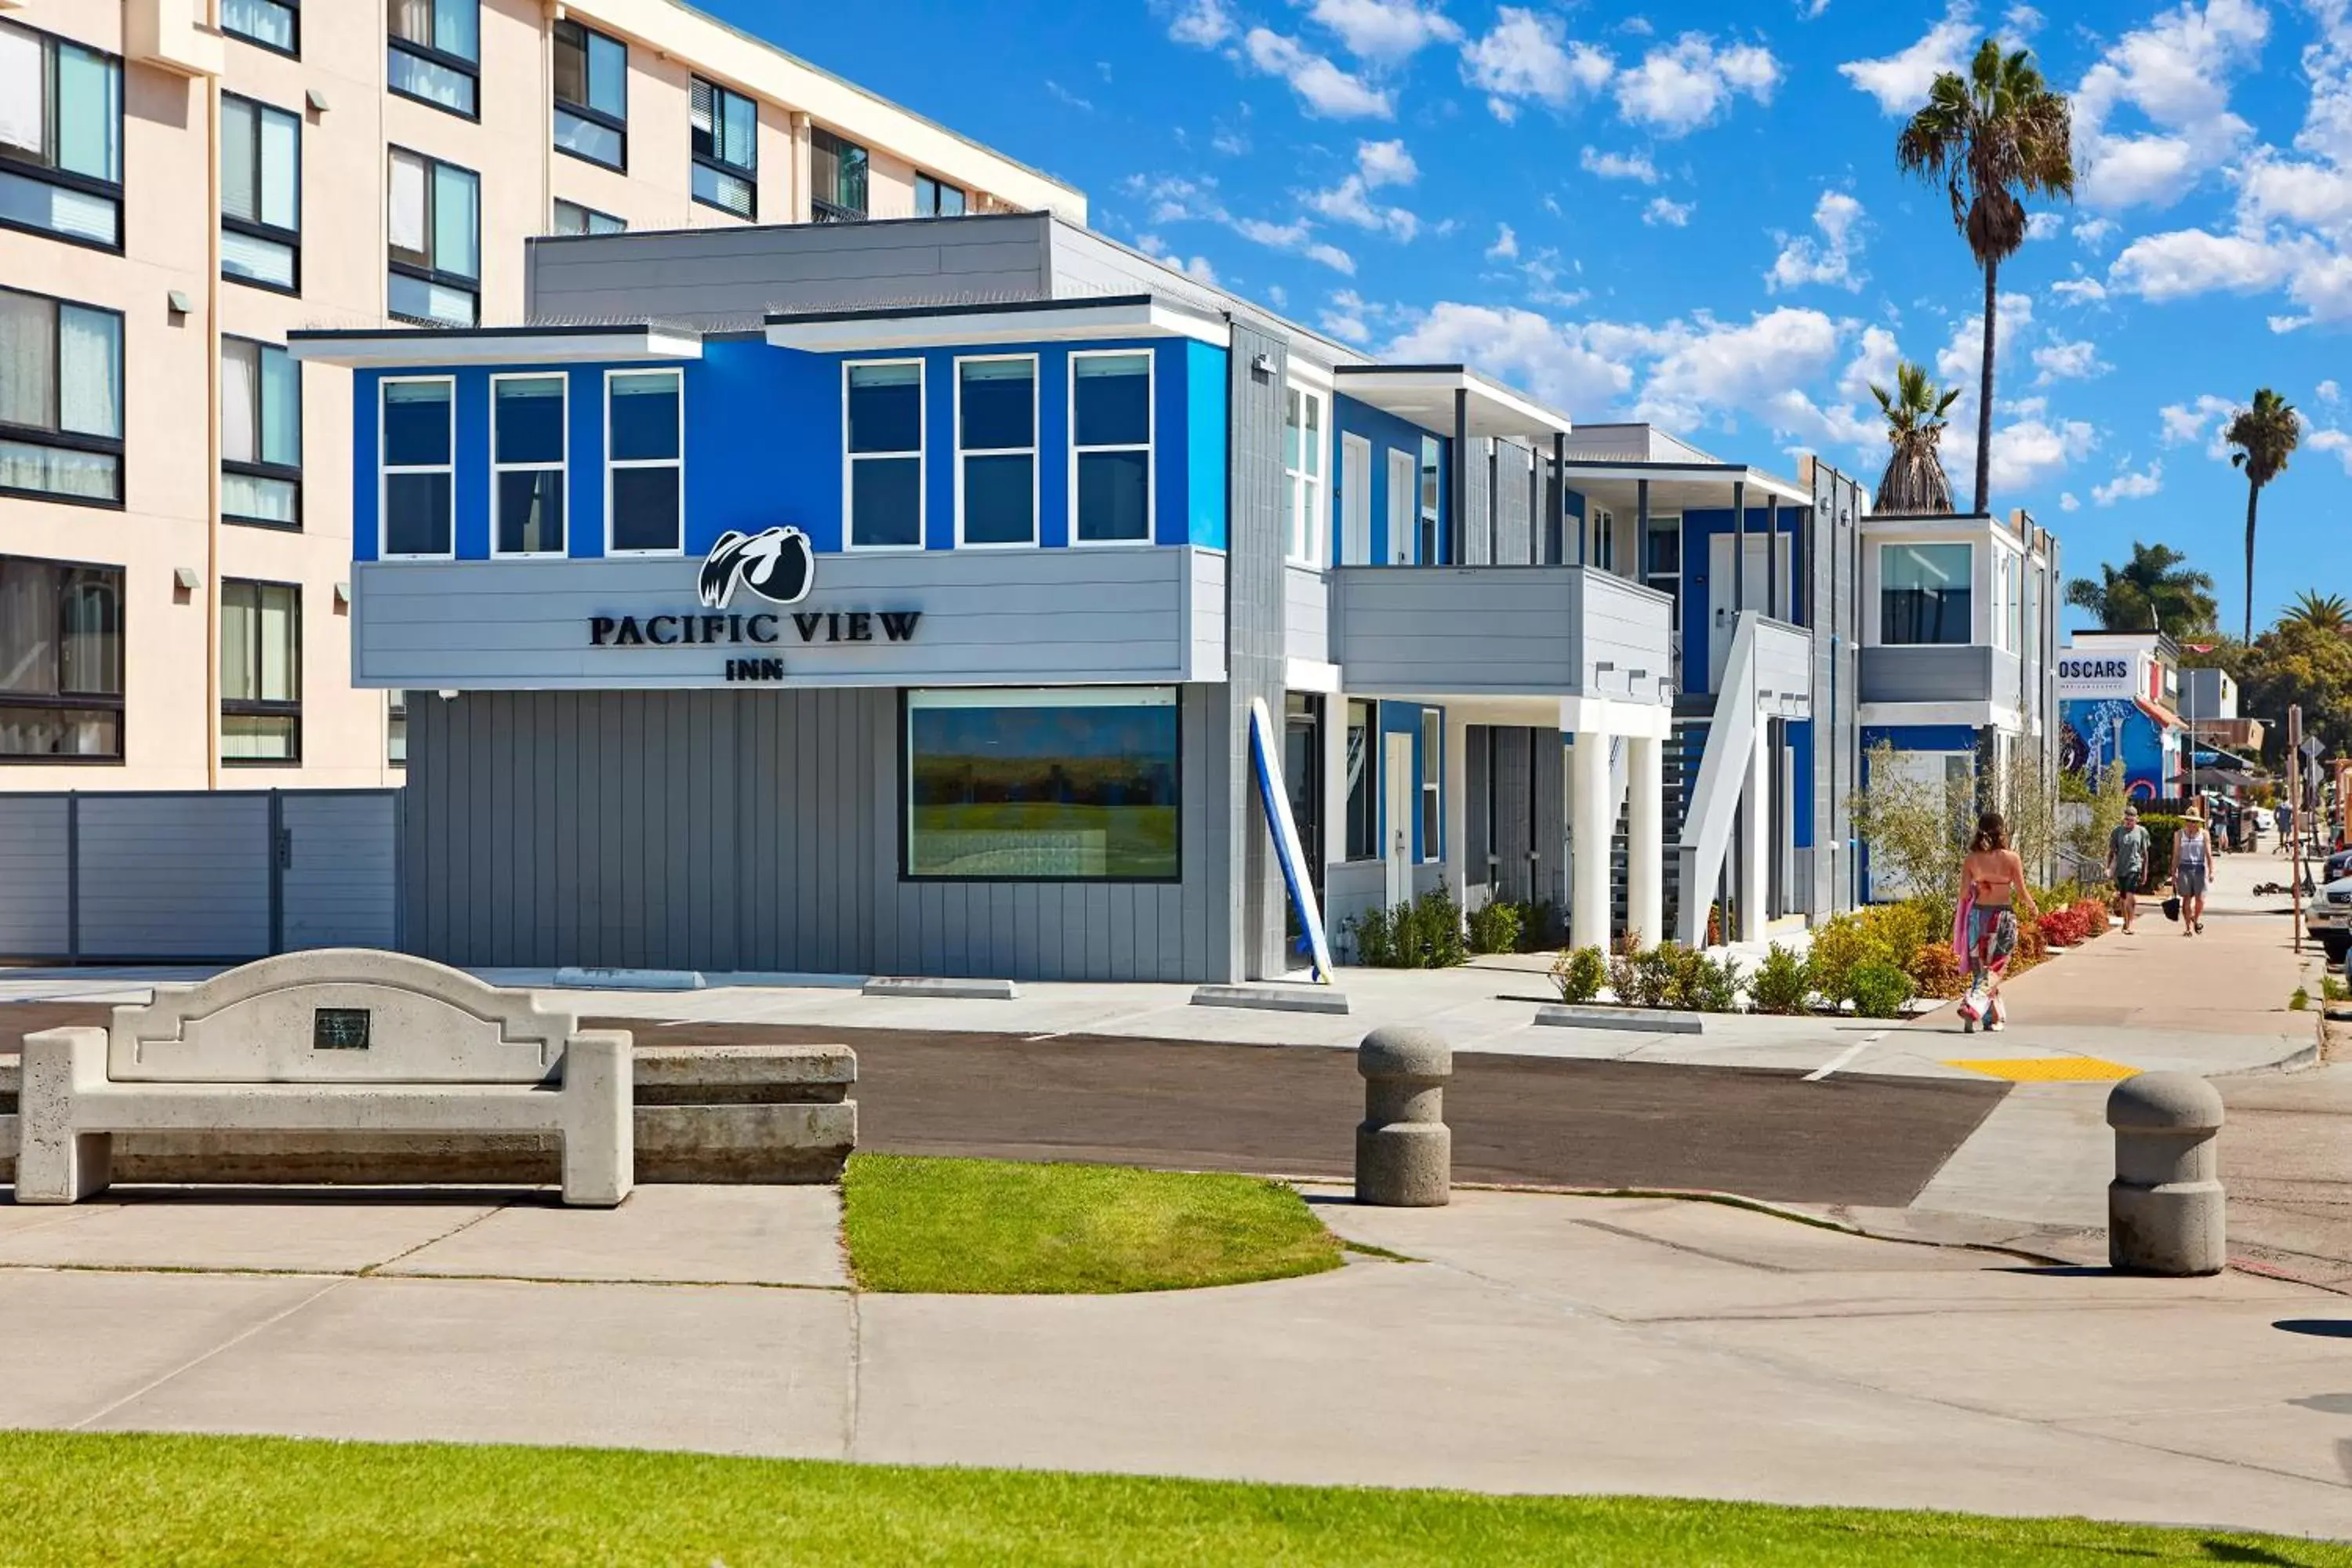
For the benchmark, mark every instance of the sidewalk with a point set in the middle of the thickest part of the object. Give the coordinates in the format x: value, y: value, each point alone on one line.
x: 1545, y: 1344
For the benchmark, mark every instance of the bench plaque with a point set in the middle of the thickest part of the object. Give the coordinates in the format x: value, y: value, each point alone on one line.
x: 339, y: 1028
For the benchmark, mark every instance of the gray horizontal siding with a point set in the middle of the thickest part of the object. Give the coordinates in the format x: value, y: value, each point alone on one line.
x: 174, y: 876
x: 1306, y: 614
x: 1205, y: 614
x: 733, y: 277
x: 1784, y: 662
x: 36, y: 895
x: 1497, y: 630
x: 1955, y: 673
x: 340, y: 882
x: 988, y: 618
x: 745, y: 830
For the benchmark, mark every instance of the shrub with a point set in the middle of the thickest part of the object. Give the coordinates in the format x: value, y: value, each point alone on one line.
x: 1880, y: 989
x: 1905, y: 927
x: 2095, y: 914
x: 1423, y: 934
x: 2299, y: 1002
x: 1436, y: 922
x: 2060, y: 928
x: 1495, y: 927
x: 1540, y: 929
x: 1842, y: 945
x: 1712, y: 985
x: 1373, y: 935
x: 1579, y: 974
x: 2031, y: 949
x: 1783, y: 982
x: 2160, y: 831
x: 1935, y: 970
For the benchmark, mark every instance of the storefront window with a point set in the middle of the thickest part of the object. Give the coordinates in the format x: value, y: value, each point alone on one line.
x: 1110, y: 441
x: 1042, y: 785
x: 1924, y: 594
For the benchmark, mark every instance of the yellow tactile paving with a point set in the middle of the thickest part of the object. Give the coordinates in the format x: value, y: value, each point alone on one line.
x: 2049, y: 1070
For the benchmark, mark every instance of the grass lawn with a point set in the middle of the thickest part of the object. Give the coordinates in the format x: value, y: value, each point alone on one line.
x: 76, y: 1500
x: 999, y: 1227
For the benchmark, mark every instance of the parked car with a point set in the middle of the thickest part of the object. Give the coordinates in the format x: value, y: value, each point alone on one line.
x: 2328, y: 915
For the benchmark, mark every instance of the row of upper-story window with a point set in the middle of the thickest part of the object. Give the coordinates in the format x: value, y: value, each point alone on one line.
x: 1929, y: 592
x: 998, y: 448
x: 61, y: 169
x: 64, y: 669
x: 61, y: 420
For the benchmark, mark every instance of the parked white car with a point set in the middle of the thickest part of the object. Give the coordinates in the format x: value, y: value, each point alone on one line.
x: 2328, y: 915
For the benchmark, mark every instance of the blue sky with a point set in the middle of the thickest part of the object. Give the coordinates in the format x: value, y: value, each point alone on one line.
x: 1697, y: 220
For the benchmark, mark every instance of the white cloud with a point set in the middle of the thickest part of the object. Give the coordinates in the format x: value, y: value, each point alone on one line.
x: 1736, y: 370
x: 1385, y: 31
x: 1506, y: 245
x: 2066, y: 503
x: 2076, y: 360
x: 1554, y: 363
x: 1899, y: 81
x: 2026, y: 451
x: 2203, y: 420
x: 1345, y: 317
x: 2080, y: 290
x: 1529, y: 56
x: 2129, y: 486
x: 2336, y: 441
x: 1962, y: 361
x: 2022, y: 22
x: 1830, y: 259
x: 1322, y: 87
x: 1197, y: 268
x: 1679, y: 86
x: 1203, y: 24
x: 1620, y: 165
x: 1332, y: 256
x: 2193, y: 261
x: 2329, y: 393
x: 1672, y: 214
x: 1378, y: 164
x: 2176, y: 74
x: 2094, y: 232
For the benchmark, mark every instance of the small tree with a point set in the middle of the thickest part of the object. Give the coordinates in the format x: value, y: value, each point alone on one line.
x: 2026, y: 795
x: 1917, y: 828
x: 2090, y: 809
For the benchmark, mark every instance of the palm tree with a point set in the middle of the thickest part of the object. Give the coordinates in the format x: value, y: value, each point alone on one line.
x: 1914, y: 482
x: 2155, y: 591
x: 1991, y: 139
x: 2264, y: 436
x: 2320, y: 612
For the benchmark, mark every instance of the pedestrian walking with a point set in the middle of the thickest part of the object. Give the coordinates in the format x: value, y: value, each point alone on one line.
x: 2285, y: 828
x: 2127, y: 856
x: 2192, y: 866
x: 1992, y: 883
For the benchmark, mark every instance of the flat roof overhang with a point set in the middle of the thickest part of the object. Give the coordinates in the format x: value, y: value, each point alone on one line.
x: 1426, y: 395
x: 1023, y: 321
x: 1679, y: 487
x: 394, y: 348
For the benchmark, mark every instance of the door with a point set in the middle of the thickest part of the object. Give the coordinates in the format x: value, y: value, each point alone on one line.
x: 1355, y: 501
x: 1722, y: 619
x: 1403, y: 487
x: 1302, y: 775
x: 1400, y: 791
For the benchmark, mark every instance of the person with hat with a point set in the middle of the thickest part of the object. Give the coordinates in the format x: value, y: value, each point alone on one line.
x: 2192, y: 865
x: 2127, y: 856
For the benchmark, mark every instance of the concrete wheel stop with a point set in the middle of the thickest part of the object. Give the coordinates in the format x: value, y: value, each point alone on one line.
x: 1639, y: 1020
x: 942, y: 988
x: 629, y: 979
x: 1273, y: 997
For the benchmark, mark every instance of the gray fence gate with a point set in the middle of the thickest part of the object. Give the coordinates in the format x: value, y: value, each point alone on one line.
x: 192, y: 877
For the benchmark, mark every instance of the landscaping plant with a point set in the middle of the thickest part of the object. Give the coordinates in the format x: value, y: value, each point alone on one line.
x: 1374, y: 936
x: 1845, y: 944
x: 1579, y: 974
x: 1935, y: 970
x: 1713, y: 984
x: 1783, y: 982
x: 1880, y: 989
x: 1436, y: 922
x: 1495, y: 927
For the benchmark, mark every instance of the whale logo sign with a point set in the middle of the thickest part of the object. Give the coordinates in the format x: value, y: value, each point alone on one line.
x: 776, y: 563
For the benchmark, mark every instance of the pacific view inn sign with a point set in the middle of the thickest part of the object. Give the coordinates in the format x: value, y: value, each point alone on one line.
x: 775, y: 565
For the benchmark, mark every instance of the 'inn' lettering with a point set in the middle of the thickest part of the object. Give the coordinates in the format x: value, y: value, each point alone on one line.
x: 755, y: 669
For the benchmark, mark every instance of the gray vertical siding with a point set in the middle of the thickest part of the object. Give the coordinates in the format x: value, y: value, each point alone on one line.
x: 1514, y: 806
x: 182, y: 876
x: 36, y: 877
x: 750, y: 831
x: 1254, y: 616
x: 1514, y: 522
x: 1551, y: 818
x: 1476, y: 527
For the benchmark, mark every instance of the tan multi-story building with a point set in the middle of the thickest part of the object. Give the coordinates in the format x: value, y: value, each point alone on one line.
x: 183, y: 182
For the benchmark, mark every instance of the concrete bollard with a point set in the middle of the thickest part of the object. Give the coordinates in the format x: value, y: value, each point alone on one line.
x: 2165, y: 1207
x: 1404, y: 1152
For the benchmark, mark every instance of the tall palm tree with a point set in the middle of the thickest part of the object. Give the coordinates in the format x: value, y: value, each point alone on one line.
x: 1914, y: 481
x: 1991, y: 139
x: 2156, y: 590
x: 2320, y: 612
x: 2264, y: 436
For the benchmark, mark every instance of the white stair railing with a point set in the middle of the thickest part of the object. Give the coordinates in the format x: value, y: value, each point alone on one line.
x: 1723, y: 772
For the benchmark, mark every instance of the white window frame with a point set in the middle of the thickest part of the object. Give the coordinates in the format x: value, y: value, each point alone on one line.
x: 1433, y: 777
x: 1310, y: 492
x: 1036, y: 392
x: 920, y: 454
x: 610, y: 464
x: 1355, y: 511
x: 1405, y: 506
x: 385, y: 470
x: 1149, y: 446
x: 561, y: 465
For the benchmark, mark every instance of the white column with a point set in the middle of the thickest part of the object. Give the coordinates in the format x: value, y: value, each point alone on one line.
x: 1588, y: 819
x: 1455, y: 806
x: 1645, y: 849
x: 1755, y: 835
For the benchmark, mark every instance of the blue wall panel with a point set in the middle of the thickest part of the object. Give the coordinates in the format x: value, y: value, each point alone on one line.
x: 1386, y: 433
x: 1698, y: 527
x: 1201, y: 519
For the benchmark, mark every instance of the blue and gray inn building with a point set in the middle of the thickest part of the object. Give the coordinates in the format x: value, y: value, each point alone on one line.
x: 897, y: 598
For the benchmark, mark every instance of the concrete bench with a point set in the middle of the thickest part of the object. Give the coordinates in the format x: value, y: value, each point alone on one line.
x: 339, y: 1040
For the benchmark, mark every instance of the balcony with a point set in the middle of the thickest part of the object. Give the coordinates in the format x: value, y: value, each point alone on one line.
x: 1972, y: 673
x: 1504, y: 631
